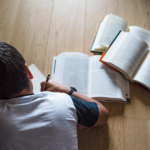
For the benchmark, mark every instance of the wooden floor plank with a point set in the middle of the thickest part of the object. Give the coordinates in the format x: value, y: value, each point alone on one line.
x: 115, y: 126
x: 140, y: 104
x: 6, y: 36
x: 138, y: 108
x: 95, y: 13
x: 148, y: 132
x: 123, y: 9
x: 134, y: 17
x: 8, y: 13
x: 41, y: 29
x: 112, y: 7
x: 129, y: 10
x: 108, y: 137
x: 144, y: 9
x: 31, y: 30
x: 96, y: 138
x: 67, y: 29
x: 136, y: 132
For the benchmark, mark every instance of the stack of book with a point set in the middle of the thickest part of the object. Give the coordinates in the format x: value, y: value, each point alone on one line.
x: 110, y: 27
x: 125, y: 49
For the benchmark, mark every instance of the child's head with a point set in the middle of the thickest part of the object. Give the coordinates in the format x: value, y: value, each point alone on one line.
x: 13, y: 76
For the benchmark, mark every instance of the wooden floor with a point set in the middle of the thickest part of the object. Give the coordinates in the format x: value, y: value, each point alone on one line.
x: 41, y: 29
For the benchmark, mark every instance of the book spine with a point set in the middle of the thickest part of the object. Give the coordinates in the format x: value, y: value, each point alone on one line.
x: 112, y: 42
x: 109, y: 46
x: 107, y: 51
x: 100, y: 53
x: 141, y: 86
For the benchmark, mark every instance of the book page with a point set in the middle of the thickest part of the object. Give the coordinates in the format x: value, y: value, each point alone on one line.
x: 141, y: 33
x: 113, y: 26
x: 72, y: 71
x: 97, y: 42
x: 143, y: 74
x: 106, y: 83
x: 37, y: 78
x: 128, y: 55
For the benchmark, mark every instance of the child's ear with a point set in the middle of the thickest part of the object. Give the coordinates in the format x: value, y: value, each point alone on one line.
x: 29, y: 74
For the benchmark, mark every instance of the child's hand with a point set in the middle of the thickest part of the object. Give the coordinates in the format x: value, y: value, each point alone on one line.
x: 83, y: 127
x: 54, y: 87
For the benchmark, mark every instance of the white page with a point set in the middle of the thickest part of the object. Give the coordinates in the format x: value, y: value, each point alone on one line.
x: 97, y: 43
x: 128, y: 54
x: 141, y: 33
x: 106, y: 83
x: 143, y: 74
x: 72, y: 71
x: 113, y: 26
x: 37, y: 78
x: 112, y: 51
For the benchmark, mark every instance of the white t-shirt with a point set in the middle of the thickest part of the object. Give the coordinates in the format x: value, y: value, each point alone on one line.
x: 45, y: 121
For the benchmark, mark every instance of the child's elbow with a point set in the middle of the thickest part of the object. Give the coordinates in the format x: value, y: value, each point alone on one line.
x: 106, y: 115
x: 103, y: 116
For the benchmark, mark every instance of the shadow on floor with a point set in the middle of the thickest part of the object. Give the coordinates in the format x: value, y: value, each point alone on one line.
x: 96, y: 139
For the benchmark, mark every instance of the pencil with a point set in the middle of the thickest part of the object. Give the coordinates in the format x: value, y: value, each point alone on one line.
x: 47, y: 79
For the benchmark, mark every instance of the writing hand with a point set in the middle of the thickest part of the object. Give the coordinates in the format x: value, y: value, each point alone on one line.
x: 54, y: 87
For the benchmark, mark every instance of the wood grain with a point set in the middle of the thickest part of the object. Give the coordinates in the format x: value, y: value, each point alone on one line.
x: 66, y: 30
x: 112, y: 7
x: 96, y: 138
x: 123, y: 9
x: 108, y: 137
x: 144, y: 9
x: 8, y: 13
x: 32, y: 29
x: 140, y: 104
x: 93, y: 18
x: 41, y: 29
x: 136, y: 132
x: 6, y: 36
x: 140, y: 99
x: 148, y: 132
x: 133, y: 13
x: 115, y: 126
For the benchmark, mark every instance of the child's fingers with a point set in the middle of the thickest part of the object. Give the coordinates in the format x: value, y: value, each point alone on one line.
x: 87, y: 129
x: 80, y: 127
x: 83, y: 127
x: 42, y: 85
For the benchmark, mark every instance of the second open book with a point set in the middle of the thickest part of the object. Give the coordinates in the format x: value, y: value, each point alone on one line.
x: 90, y: 77
x: 108, y: 29
x: 130, y: 55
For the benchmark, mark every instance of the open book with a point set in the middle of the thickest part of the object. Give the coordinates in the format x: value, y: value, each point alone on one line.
x: 130, y: 55
x: 90, y: 77
x: 109, y: 28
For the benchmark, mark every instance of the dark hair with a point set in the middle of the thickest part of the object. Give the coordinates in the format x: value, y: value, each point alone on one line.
x: 13, y: 76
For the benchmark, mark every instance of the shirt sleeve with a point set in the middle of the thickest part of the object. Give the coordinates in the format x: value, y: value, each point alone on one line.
x: 87, y: 112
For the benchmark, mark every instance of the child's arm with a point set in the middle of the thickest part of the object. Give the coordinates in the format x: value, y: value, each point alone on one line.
x: 56, y: 87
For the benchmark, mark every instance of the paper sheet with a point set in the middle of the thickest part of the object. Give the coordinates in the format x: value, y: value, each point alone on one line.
x: 37, y: 78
